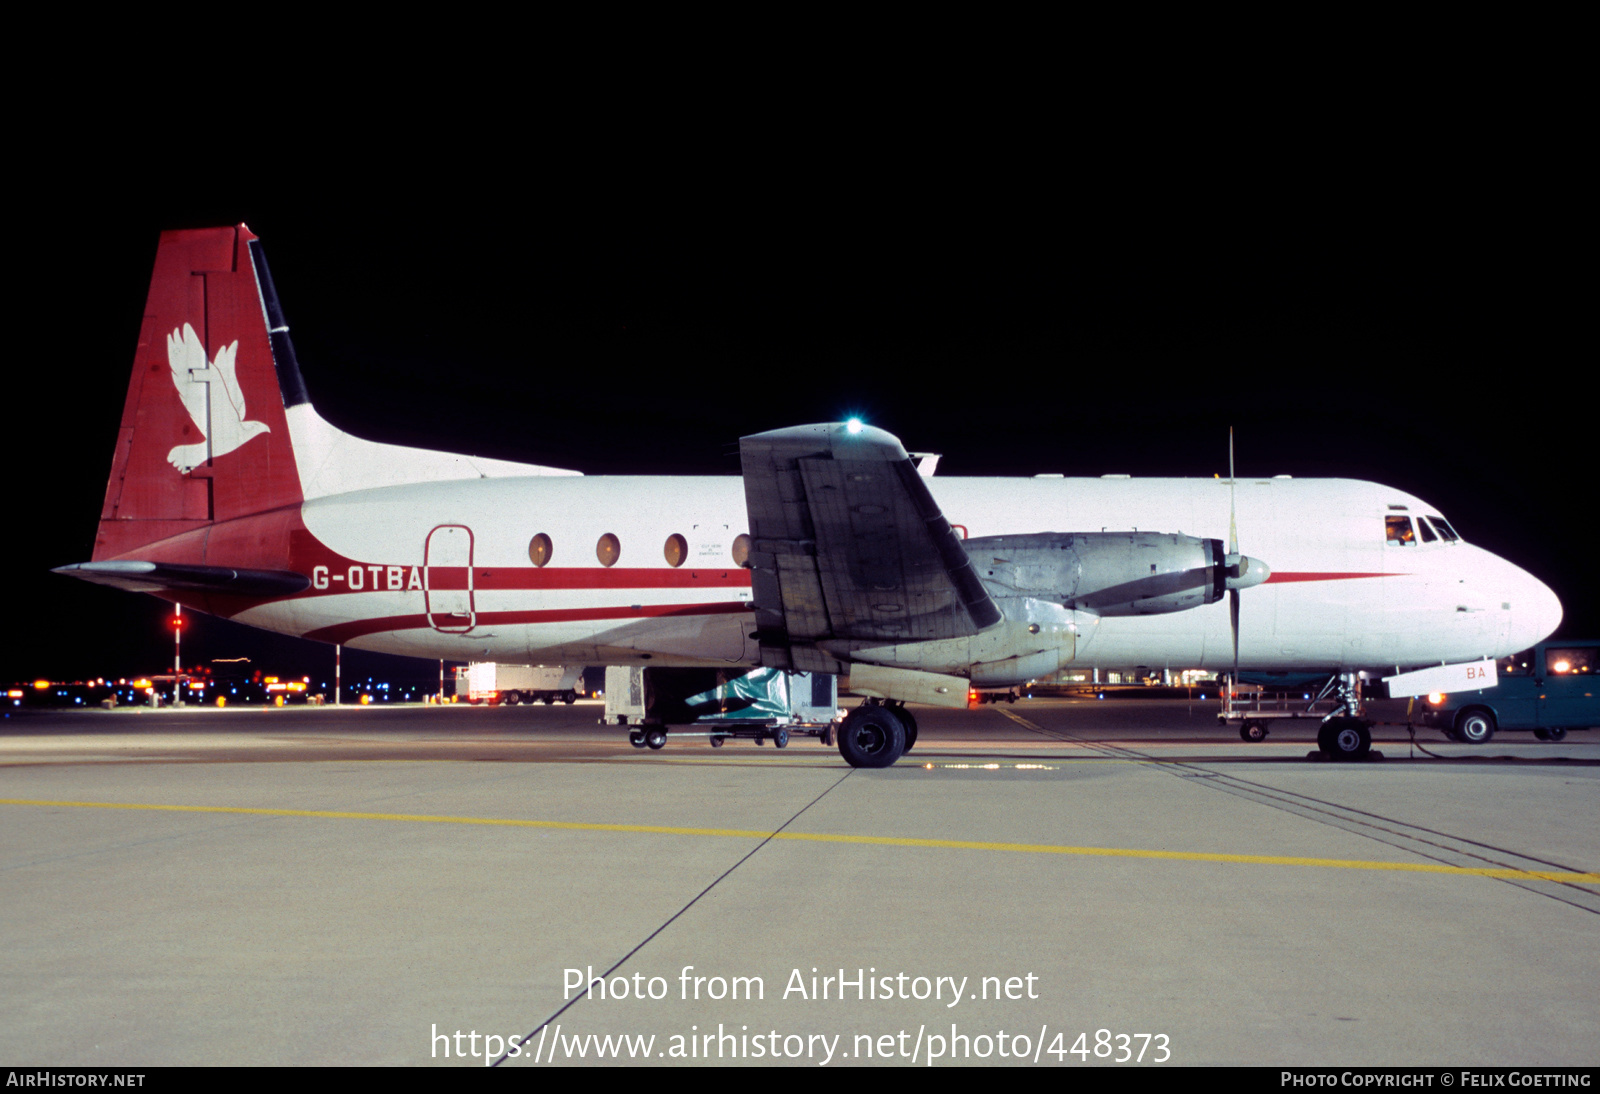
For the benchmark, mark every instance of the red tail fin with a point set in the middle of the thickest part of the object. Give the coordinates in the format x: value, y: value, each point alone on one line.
x: 203, y: 436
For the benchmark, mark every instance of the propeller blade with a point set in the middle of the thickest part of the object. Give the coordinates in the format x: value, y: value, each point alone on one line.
x: 1233, y: 618
x: 1233, y: 525
x: 1237, y: 566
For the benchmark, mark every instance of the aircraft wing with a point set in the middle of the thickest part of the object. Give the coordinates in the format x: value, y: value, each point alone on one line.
x: 849, y: 547
x: 156, y: 577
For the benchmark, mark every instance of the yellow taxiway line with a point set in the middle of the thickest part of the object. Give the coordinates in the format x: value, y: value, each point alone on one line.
x: 818, y: 837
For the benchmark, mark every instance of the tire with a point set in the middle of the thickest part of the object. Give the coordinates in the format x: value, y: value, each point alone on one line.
x: 511, y: 698
x: 1542, y: 734
x: 907, y: 723
x: 656, y: 738
x: 1253, y: 731
x: 871, y: 736
x: 716, y: 742
x: 1344, y: 739
x: 1475, y: 726
x: 636, y: 739
x: 1557, y: 733
x: 781, y: 738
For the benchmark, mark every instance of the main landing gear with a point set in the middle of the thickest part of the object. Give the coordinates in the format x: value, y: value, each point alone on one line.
x: 876, y: 734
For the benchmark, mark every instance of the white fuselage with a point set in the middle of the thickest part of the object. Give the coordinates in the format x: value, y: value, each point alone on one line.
x: 1341, y: 596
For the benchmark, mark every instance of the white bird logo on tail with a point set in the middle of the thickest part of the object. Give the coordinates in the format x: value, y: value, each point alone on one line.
x: 192, y: 375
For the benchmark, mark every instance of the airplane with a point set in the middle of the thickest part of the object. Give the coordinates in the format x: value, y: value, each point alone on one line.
x: 836, y: 551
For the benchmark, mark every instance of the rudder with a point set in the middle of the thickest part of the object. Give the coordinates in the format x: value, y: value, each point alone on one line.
x: 204, y: 437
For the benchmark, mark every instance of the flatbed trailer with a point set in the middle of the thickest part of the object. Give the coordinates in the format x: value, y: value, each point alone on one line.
x: 1255, y: 719
x: 760, y: 705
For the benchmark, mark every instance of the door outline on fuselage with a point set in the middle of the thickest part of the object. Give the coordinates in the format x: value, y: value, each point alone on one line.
x: 444, y: 607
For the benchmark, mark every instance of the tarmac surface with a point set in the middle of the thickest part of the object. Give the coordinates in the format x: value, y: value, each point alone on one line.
x: 1061, y: 881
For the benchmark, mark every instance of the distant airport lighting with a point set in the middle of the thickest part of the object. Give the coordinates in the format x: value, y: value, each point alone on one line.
x: 853, y: 425
x: 40, y: 685
x: 14, y: 693
x: 1562, y: 666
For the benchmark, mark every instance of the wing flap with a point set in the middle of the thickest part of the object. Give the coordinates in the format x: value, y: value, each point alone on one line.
x: 849, y: 545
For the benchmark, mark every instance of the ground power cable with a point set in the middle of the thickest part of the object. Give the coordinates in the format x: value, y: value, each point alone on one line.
x: 584, y: 994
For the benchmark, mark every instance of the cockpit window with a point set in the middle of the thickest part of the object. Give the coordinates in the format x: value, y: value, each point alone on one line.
x: 1398, y: 530
x: 1445, y: 531
x: 1428, y: 535
x: 1518, y: 664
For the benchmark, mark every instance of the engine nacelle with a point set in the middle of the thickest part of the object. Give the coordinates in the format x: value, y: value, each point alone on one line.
x: 1050, y: 588
x: 1036, y: 638
x: 1112, y: 573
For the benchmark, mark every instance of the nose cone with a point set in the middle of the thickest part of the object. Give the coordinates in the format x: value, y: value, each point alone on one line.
x: 1535, y: 611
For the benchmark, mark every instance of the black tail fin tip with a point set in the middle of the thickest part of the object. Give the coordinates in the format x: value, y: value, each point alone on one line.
x: 290, y: 383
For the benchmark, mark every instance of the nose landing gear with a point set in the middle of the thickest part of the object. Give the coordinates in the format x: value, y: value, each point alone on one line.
x: 1345, y: 738
x: 1345, y: 734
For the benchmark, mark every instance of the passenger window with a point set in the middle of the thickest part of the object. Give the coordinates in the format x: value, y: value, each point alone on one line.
x: 1426, y: 529
x: 539, y: 549
x: 741, y: 550
x: 1569, y: 661
x: 608, y: 550
x: 1398, y: 530
x: 1447, y: 533
x: 676, y: 550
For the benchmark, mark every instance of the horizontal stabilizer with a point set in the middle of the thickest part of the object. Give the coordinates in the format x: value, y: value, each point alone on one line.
x: 155, y: 577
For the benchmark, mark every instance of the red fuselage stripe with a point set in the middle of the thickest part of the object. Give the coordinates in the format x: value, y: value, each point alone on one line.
x: 587, y: 578
x: 332, y: 580
x: 1309, y: 576
x: 344, y: 632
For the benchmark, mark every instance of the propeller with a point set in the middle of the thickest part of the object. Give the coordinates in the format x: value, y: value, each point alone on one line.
x: 1239, y: 572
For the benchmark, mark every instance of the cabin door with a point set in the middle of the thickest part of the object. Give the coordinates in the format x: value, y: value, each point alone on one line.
x: 447, y: 579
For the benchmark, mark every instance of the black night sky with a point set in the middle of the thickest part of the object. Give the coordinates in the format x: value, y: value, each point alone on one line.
x: 1376, y: 314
